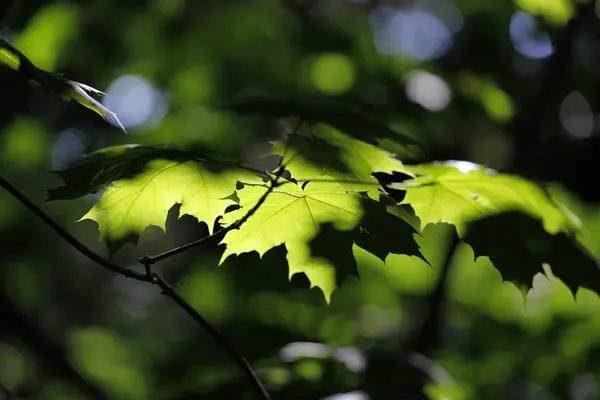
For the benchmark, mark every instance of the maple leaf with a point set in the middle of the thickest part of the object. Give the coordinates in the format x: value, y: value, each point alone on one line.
x: 129, y: 206
x: 94, y: 171
x: 333, y: 153
x: 530, y: 247
x: 459, y: 192
x: 291, y: 215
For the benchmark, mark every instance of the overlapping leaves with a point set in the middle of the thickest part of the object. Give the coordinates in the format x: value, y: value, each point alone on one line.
x: 331, y: 202
x: 459, y: 192
x: 327, y: 151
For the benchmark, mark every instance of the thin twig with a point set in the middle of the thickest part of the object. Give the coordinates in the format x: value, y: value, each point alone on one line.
x: 150, y: 260
x: 67, y: 236
x: 240, y: 360
x: 147, y: 277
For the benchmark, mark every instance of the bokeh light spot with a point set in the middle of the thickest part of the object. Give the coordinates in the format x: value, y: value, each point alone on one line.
x: 428, y: 90
x: 416, y: 34
x: 332, y: 73
x: 498, y: 104
x: 67, y: 148
x: 527, y: 40
x: 576, y: 115
x: 25, y: 144
x: 47, y: 34
x: 135, y: 101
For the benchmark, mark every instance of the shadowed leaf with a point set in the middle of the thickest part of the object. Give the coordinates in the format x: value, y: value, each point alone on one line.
x: 329, y: 152
x: 291, y: 215
x: 341, y: 114
x: 129, y: 206
x: 518, y: 245
x: 98, y: 169
x: 457, y: 192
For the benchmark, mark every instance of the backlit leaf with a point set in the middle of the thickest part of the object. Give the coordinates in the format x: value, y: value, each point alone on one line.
x: 291, y: 216
x: 458, y: 192
x: 330, y: 152
x: 129, y: 206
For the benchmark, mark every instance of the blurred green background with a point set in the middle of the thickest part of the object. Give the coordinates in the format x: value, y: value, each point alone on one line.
x: 456, y: 73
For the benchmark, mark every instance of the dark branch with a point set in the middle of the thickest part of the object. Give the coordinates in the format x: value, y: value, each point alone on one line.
x: 239, y: 359
x: 67, y: 236
x: 147, y: 277
x: 427, y: 338
x: 151, y: 260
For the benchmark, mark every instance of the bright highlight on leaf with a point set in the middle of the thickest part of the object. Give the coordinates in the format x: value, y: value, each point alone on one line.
x: 129, y: 206
x: 309, y: 157
x: 458, y: 192
x: 65, y: 88
x: 291, y: 216
x: 9, y: 58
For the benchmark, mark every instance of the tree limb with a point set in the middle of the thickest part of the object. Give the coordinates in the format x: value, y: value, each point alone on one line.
x: 148, y: 277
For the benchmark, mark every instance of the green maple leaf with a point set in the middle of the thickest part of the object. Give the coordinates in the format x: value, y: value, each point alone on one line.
x: 518, y: 246
x: 65, y: 88
x: 330, y: 152
x: 337, y: 112
x: 291, y: 215
x: 94, y: 171
x: 129, y: 206
x: 458, y: 192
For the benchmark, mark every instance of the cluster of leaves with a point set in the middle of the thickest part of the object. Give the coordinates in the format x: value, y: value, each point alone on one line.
x: 331, y: 194
x: 330, y: 197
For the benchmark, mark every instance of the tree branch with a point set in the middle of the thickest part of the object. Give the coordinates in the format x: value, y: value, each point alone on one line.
x: 148, y: 277
x: 150, y: 260
x: 67, y: 236
x: 147, y: 261
x: 427, y: 338
x: 240, y: 360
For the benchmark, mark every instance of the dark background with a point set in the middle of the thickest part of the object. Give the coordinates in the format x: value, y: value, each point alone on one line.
x: 513, y: 85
